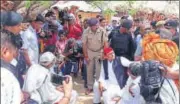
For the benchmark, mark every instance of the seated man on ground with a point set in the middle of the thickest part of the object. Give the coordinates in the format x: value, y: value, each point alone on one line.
x: 130, y: 94
x: 38, y: 83
x: 111, y: 79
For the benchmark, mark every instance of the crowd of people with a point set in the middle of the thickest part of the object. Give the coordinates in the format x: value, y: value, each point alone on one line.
x: 127, y: 61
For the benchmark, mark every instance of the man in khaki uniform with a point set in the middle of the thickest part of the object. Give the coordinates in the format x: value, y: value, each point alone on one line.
x: 94, y: 40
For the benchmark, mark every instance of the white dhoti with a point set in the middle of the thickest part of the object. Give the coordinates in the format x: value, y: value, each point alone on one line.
x: 97, y: 94
x: 111, y: 91
x: 74, y: 97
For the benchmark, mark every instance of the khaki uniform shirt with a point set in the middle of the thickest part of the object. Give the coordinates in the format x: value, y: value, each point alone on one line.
x: 95, y: 41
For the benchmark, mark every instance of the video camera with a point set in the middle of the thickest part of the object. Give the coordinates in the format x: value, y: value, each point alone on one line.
x: 64, y: 16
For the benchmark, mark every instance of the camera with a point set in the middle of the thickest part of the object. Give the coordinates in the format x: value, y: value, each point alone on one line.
x: 59, y: 58
x: 57, y: 79
x: 44, y: 34
x: 66, y: 17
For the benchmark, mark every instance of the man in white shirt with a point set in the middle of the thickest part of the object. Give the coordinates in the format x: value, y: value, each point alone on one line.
x: 38, y: 83
x: 30, y: 39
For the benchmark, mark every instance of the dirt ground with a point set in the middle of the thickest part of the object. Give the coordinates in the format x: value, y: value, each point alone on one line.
x: 79, y: 87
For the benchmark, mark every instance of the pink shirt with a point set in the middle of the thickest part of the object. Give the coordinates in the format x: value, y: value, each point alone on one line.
x: 60, y: 45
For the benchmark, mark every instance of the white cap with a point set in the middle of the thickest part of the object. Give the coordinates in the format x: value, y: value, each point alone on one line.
x: 47, y: 58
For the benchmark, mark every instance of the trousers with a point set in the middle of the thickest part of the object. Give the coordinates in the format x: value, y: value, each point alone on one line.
x: 93, y: 68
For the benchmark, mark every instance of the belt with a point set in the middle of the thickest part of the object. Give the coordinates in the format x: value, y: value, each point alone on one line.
x: 95, y: 50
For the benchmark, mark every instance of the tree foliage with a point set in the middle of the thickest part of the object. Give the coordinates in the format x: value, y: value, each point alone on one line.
x: 29, y: 8
x: 103, y: 6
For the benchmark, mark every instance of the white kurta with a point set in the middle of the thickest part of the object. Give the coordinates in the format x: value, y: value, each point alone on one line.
x: 38, y: 84
x: 126, y: 97
x: 168, y: 89
x: 113, y: 90
x: 10, y: 88
x: 112, y: 78
x: 111, y: 85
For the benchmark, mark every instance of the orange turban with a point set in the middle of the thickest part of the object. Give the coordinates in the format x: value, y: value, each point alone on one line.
x: 163, y: 50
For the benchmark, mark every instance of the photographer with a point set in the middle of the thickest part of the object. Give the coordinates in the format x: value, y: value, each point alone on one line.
x: 73, y: 51
x: 51, y: 19
x: 40, y: 86
x: 51, y: 28
x: 73, y: 29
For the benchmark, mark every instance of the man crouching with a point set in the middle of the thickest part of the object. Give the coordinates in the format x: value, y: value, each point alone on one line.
x: 38, y: 83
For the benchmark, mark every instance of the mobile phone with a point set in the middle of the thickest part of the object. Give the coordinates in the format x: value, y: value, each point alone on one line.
x: 57, y: 79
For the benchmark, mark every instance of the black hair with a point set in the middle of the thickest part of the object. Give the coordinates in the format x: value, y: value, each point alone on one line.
x: 124, y: 17
x: 50, y: 48
x: 55, y: 8
x: 153, y: 24
x: 137, y: 20
x: 135, y: 68
x: 79, y: 16
x: 6, y: 40
x: 85, y: 20
x: 62, y: 32
x: 162, y: 14
x: 176, y: 40
x: 100, y: 20
x: 16, y: 40
x: 40, y: 18
x: 49, y: 13
x: 97, y: 16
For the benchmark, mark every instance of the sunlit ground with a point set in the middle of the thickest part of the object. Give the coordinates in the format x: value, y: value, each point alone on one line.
x: 79, y: 87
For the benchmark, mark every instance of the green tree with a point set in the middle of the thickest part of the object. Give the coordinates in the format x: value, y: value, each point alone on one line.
x: 103, y: 6
x: 31, y: 7
x: 131, y: 3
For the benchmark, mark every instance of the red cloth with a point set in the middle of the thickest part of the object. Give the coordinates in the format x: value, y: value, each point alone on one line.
x: 51, y: 41
x: 107, y: 50
x: 75, y: 31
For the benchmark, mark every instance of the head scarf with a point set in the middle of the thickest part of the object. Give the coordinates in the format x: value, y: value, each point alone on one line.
x: 107, y: 50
